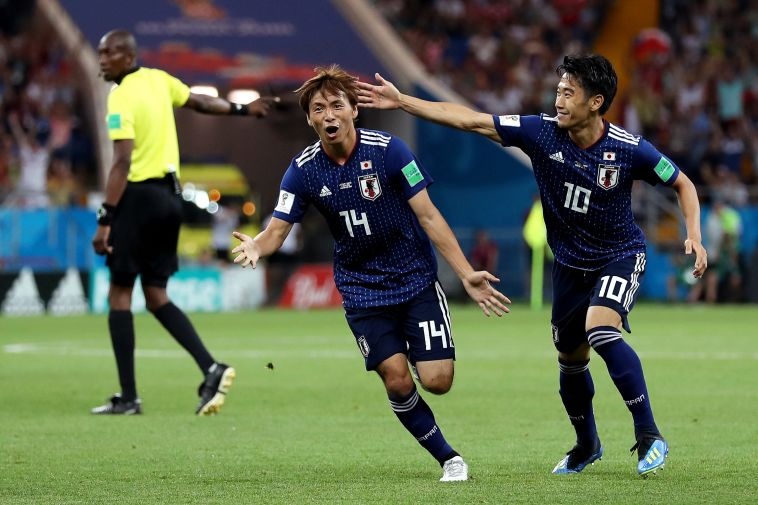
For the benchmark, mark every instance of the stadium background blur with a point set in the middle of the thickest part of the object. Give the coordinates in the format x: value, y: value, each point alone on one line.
x: 688, y: 82
x: 305, y: 425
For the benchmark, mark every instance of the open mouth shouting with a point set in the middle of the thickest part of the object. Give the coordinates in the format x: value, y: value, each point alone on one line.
x: 331, y: 131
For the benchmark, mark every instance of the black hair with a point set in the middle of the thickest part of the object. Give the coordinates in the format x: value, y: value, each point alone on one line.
x: 124, y: 39
x: 330, y: 79
x: 594, y: 73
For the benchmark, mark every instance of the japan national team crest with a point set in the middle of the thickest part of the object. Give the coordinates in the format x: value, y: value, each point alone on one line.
x: 607, y: 176
x: 363, y: 346
x: 370, y: 188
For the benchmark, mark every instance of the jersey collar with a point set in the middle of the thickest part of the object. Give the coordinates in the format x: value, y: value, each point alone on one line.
x: 349, y: 156
x: 130, y: 71
x: 606, y: 126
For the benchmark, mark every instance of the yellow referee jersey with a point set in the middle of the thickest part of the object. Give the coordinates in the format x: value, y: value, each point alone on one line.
x: 142, y: 108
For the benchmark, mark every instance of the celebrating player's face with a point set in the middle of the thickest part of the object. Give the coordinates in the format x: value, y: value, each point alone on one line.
x: 571, y: 103
x: 332, y: 117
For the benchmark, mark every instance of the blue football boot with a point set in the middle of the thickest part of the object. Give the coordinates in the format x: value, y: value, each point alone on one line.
x: 651, y: 452
x: 578, y: 458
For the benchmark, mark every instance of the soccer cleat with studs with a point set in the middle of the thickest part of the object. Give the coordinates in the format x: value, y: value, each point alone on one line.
x: 578, y: 458
x: 454, y: 470
x: 651, y: 452
x: 213, y: 389
x: 117, y: 406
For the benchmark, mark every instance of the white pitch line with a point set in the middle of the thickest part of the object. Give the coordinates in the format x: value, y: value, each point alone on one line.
x: 645, y: 355
x: 73, y: 350
x: 70, y: 350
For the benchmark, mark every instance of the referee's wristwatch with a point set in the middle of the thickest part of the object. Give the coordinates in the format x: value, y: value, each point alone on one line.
x: 238, y: 109
x: 105, y: 214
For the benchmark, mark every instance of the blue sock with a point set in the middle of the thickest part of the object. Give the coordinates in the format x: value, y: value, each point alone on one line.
x: 625, y: 369
x: 577, y: 390
x: 418, y: 419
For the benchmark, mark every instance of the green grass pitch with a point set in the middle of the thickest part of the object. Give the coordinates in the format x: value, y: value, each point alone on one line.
x: 318, y: 429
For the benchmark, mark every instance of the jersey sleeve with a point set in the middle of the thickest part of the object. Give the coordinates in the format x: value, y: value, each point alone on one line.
x: 653, y: 167
x: 404, y: 170
x: 292, y: 202
x: 120, y: 119
x: 178, y: 91
x: 516, y: 130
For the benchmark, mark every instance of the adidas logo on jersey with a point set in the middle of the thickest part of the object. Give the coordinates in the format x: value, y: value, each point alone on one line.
x: 557, y: 157
x: 325, y: 192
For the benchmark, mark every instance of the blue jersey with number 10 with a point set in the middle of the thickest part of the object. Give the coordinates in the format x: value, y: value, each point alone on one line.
x: 382, y: 256
x: 587, y: 193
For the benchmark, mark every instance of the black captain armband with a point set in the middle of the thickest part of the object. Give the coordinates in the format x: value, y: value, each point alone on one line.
x: 239, y: 109
x: 105, y: 214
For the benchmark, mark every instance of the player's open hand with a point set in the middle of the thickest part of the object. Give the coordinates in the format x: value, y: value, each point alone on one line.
x: 701, y: 256
x: 480, y: 290
x: 247, y: 251
x: 382, y: 96
x: 100, y: 240
x: 261, y: 106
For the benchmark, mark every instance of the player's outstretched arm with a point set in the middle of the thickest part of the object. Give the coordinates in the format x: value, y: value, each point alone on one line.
x: 690, y: 206
x: 385, y: 95
x: 477, y: 284
x: 250, y: 249
x: 215, y: 105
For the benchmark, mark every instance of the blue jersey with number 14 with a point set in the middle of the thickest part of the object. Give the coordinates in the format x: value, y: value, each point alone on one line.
x: 587, y: 193
x: 382, y: 256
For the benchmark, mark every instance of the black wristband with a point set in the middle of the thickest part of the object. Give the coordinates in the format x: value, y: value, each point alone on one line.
x: 239, y: 109
x: 105, y: 214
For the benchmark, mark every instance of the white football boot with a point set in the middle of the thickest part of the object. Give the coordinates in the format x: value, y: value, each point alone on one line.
x: 454, y: 469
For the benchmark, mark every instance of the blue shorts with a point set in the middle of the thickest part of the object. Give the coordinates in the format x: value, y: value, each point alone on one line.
x: 615, y: 286
x: 418, y: 328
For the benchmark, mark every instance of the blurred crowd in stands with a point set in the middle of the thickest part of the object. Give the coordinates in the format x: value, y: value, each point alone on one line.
x: 693, y: 89
x: 694, y: 84
x: 499, y: 55
x: 45, y: 152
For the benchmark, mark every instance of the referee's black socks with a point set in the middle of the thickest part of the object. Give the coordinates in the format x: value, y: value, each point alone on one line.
x: 179, y: 326
x: 121, y: 326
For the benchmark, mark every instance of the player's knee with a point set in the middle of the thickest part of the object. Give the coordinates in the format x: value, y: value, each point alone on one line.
x: 438, y: 384
x: 155, y: 299
x: 580, y: 354
x: 120, y: 299
x: 398, y: 385
x: 438, y: 388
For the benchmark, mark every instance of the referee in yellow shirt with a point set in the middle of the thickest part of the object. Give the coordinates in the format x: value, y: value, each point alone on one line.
x: 138, y: 225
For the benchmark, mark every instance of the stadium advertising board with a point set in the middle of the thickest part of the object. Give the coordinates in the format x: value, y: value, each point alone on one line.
x: 194, y: 290
x: 29, y: 293
x: 311, y: 286
x: 235, y: 42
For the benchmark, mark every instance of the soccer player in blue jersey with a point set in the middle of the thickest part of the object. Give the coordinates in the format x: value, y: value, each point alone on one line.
x: 584, y: 167
x: 372, y: 191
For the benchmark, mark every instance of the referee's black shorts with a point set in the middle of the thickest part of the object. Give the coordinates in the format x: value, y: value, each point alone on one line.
x: 144, y: 233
